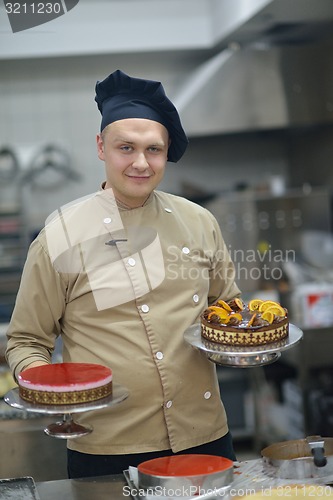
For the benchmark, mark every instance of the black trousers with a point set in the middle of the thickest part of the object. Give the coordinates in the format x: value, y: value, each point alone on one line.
x: 87, y: 465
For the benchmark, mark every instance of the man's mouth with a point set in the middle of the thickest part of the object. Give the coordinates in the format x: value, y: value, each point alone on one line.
x: 139, y: 176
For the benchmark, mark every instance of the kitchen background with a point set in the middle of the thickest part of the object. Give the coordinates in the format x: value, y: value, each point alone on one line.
x: 253, y: 81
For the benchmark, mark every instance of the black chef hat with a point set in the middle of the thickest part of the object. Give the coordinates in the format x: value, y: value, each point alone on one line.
x: 120, y: 96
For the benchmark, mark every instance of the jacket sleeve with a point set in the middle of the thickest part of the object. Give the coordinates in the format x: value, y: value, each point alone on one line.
x: 40, y: 303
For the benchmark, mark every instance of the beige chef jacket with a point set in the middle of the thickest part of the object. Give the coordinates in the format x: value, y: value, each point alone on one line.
x: 121, y: 287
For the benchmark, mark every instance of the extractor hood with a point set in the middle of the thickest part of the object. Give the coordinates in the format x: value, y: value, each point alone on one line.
x: 272, y: 21
x: 274, y: 70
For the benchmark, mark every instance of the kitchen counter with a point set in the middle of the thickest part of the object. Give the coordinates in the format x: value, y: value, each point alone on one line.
x: 249, y: 476
x: 101, y: 488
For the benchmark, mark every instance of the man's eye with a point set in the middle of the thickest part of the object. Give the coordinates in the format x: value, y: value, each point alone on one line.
x: 125, y: 148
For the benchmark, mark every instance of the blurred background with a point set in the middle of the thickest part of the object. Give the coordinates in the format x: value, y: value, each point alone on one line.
x: 253, y: 82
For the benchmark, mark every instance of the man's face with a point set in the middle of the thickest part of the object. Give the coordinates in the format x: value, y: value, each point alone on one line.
x: 135, y: 154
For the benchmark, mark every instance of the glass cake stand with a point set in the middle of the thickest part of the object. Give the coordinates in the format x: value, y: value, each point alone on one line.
x: 67, y: 428
x: 239, y: 356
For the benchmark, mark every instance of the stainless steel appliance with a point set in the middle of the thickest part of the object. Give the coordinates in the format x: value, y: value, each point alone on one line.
x: 264, y: 231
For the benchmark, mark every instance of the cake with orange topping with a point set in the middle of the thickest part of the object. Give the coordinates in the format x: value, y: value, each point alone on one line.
x: 65, y: 383
x: 235, y: 323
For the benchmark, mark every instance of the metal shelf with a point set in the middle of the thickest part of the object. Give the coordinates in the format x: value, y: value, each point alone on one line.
x: 12, y: 253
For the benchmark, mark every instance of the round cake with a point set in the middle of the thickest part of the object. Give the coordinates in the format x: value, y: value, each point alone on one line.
x: 235, y: 323
x: 65, y: 383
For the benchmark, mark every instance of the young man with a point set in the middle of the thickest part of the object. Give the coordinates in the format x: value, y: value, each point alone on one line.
x: 120, y: 275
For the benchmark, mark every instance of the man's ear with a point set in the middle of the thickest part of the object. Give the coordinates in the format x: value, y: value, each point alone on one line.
x: 100, y: 147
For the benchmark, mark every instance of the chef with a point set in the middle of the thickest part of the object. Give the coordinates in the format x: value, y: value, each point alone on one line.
x: 120, y: 275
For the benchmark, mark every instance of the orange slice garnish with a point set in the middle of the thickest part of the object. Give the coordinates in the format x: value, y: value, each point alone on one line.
x: 253, y: 317
x: 268, y: 316
x: 218, y: 310
x: 266, y: 304
x: 254, y: 304
x: 277, y: 310
x: 221, y: 313
x: 234, y: 318
x: 224, y: 305
x: 239, y: 304
x: 223, y: 319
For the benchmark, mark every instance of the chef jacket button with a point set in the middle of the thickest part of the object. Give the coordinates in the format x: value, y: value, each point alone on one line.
x: 207, y: 394
x: 145, y: 308
x: 186, y: 250
x: 168, y: 404
x: 131, y: 261
x: 168, y: 210
x: 159, y: 355
x: 196, y: 298
x: 107, y: 220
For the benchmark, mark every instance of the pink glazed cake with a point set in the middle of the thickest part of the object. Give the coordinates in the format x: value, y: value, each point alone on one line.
x: 65, y: 383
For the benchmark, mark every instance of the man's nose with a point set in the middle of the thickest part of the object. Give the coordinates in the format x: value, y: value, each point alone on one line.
x: 140, y: 161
